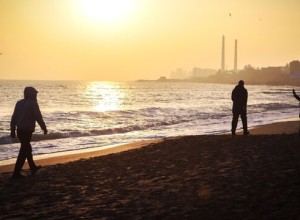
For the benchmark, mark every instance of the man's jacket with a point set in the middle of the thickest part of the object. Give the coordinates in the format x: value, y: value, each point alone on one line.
x: 26, y: 113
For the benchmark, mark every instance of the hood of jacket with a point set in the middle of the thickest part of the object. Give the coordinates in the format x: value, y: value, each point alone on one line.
x: 30, y: 93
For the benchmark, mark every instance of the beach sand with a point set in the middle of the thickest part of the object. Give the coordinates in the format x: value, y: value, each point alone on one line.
x: 189, y: 177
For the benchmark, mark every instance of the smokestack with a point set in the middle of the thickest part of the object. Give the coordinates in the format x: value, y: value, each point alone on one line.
x: 235, y: 56
x: 223, y: 55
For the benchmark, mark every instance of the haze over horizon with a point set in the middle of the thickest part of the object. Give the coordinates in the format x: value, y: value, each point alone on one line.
x: 131, y: 39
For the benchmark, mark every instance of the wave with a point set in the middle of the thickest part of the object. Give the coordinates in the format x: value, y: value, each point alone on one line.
x: 272, y: 106
x: 85, y: 123
x: 147, y: 115
x: 146, y: 124
x: 57, y: 135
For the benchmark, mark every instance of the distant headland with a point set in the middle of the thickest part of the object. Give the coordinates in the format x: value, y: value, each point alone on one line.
x: 282, y: 75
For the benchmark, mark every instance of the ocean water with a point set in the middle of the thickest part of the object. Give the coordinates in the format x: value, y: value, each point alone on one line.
x: 83, y: 115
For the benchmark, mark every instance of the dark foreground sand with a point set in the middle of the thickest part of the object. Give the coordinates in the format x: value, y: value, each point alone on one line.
x: 193, y: 177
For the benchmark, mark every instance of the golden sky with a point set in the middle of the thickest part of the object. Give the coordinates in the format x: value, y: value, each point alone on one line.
x: 121, y: 40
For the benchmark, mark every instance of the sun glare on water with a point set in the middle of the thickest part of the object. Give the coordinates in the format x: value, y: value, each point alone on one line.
x: 106, y: 96
x: 107, y: 11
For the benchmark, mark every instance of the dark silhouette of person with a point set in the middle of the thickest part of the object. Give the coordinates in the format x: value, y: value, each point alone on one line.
x: 239, y: 96
x: 24, y: 118
x: 296, y: 96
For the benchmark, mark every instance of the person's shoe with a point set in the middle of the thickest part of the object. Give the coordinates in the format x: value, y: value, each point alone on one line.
x: 17, y: 176
x: 233, y: 133
x: 246, y: 133
x: 33, y: 171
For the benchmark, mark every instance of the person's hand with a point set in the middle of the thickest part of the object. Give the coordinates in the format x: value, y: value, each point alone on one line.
x: 45, y: 131
x: 12, y: 134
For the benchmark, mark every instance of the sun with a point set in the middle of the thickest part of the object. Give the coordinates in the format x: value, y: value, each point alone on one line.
x: 107, y: 11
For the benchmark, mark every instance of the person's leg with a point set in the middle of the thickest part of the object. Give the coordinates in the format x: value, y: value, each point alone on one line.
x: 22, y: 153
x: 30, y: 161
x: 244, y: 121
x: 25, y: 152
x: 30, y: 157
x: 234, y: 122
x: 28, y: 149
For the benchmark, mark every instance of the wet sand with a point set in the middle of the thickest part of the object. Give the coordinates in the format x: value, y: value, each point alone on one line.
x: 190, y: 177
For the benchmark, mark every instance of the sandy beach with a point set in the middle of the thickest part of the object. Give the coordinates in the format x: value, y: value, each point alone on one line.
x: 189, y: 177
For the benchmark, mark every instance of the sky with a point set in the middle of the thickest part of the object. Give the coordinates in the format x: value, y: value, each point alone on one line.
x: 125, y: 40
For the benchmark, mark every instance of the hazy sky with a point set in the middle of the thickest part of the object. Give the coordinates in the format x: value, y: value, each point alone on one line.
x: 142, y: 39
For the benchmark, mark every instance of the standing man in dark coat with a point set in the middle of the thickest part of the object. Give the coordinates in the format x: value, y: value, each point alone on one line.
x: 26, y: 113
x: 239, y: 97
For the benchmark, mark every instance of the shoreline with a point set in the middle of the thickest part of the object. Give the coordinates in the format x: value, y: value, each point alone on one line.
x: 289, y: 126
x: 184, y: 177
x: 65, y: 157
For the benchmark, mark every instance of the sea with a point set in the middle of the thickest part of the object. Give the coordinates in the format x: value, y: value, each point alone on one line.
x: 82, y: 115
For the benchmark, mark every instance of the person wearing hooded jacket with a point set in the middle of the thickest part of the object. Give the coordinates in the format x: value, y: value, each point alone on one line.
x: 239, y: 96
x: 24, y: 118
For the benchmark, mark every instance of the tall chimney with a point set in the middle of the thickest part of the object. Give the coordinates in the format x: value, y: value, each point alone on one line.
x: 223, y: 55
x: 235, y: 56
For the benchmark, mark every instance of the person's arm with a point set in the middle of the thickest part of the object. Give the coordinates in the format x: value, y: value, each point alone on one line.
x: 295, y: 95
x: 13, y: 123
x: 246, y: 100
x: 39, y: 118
x: 233, y: 95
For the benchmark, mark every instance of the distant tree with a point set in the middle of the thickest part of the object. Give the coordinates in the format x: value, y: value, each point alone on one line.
x: 295, y: 66
x: 249, y: 68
